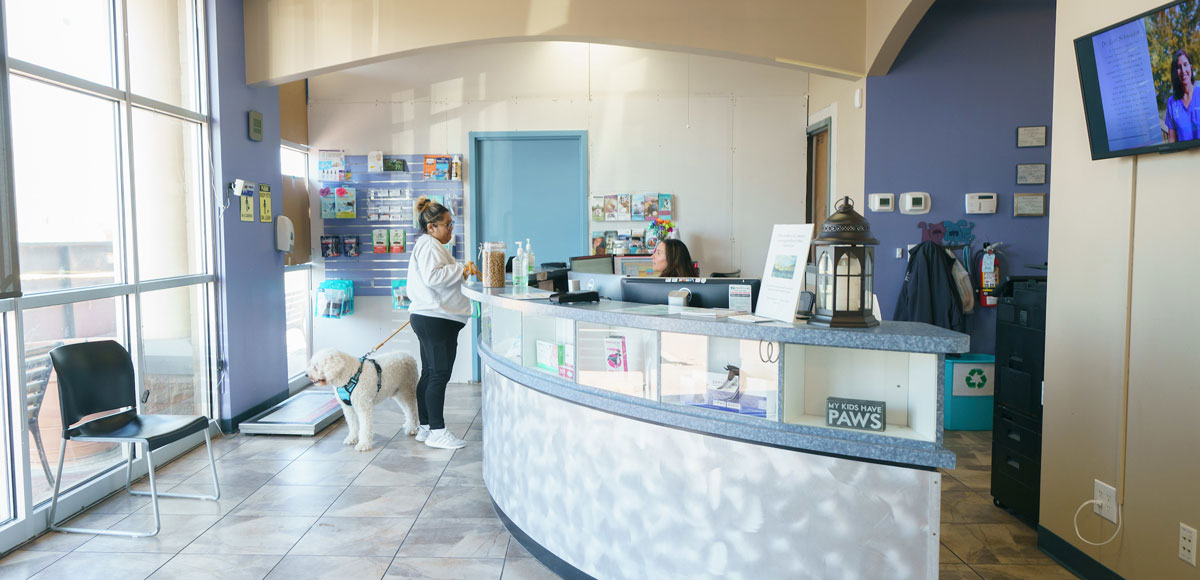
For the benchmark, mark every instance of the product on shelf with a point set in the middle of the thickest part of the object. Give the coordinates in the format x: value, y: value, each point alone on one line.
x: 395, y: 165
x: 614, y: 354
x: 492, y: 259
x: 330, y: 246
x: 398, y: 238
x: 350, y: 246
x: 400, y: 299
x: 379, y: 241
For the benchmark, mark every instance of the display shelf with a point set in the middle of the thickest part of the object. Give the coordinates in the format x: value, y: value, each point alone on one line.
x: 906, y: 382
x: 618, y: 359
x: 548, y: 345
x: 695, y: 372
x: 506, y: 334
x: 372, y: 273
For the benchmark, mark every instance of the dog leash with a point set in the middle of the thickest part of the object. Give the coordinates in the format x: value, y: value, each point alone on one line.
x: 380, y: 345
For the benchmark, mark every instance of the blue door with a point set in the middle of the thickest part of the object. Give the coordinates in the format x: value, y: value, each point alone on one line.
x: 530, y: 184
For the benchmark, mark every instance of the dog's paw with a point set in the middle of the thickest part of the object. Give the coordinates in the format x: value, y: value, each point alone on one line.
x: 350, y: 440
x: 364, y: 446
x: 410, y: 430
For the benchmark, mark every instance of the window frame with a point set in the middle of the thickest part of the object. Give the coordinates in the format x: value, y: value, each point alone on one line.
x: 28, y: 519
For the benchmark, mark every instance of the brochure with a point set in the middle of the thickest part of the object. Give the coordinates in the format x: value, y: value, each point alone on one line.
x: 637, y: 209
x: 375, y: 162
x: 624, y: 200
x: 547, y: 355
x: 598, y: 248
x: 665, y: 206
x: 596, y: 202
x: 615, y: 354
x: 610, y: 207
x: 650, y: 206
x: 331, y: 165
x: 345, y: 204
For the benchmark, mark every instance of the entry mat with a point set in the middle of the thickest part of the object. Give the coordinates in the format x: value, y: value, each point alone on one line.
x: 305, y: 413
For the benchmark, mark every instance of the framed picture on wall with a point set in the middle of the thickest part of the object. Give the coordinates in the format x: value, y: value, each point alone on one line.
x: 1031, y: 136
x: 1029, y: 204
x: 1031, y: 173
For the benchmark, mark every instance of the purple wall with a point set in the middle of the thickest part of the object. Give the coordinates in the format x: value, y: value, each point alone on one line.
x: 944, y: 121
x: 249, y: 270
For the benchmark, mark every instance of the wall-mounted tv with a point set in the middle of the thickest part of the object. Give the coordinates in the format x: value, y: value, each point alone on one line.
x: 1137, y: 80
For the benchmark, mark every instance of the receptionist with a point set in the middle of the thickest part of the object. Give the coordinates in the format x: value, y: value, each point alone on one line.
x: 671, y: 259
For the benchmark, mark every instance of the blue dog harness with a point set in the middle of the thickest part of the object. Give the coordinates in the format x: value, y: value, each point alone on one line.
x: 344, y: 392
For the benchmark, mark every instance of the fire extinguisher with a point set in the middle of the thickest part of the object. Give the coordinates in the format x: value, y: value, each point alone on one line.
x: 987, y: 274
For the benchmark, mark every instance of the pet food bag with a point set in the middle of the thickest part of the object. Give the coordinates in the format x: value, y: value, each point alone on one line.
x: 335, y: 299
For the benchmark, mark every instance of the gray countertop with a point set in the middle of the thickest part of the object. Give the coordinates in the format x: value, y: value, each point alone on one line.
x: 895, y: 336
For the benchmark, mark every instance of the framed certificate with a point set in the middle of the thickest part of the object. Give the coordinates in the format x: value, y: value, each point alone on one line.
x: 1029, y: 204
x: 1031, y: 136
x: 1031, y: 173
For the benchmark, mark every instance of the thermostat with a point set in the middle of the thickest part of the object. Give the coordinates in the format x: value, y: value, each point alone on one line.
x: 981, y: 203
x: 914, y: 202
x: 882, y: 201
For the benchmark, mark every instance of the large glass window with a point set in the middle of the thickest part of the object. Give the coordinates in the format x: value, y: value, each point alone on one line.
x: 162, y: 52
x: 66, y: 173
x: 299, y: 320
x: 166, y: 169
x: 44, y: 329
x: 113, y: 225
x: 70, y: 36
x: 175, y: 343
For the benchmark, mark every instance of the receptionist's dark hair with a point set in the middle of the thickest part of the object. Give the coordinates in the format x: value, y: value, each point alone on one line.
x: 679, y: 260
x: 428, y: 212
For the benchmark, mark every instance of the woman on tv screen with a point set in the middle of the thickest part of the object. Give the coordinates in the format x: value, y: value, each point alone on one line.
x: 1183, y: 116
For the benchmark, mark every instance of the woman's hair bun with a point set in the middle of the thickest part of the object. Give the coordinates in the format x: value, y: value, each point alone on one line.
x: 422, y: 204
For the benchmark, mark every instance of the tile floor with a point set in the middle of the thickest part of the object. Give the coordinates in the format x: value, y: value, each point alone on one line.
x: 980, y: 540
x: 300, y: 508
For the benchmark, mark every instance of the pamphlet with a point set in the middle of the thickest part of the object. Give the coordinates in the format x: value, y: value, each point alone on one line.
x: 610, y: 208
x: 344, y: 203
x: 331, y: 165
x: 375, y: 162
x: 328, y: 211
x: 624, y: 201
x: 566, y: 361
x: 615, y: 354
x: 783, y: 274
x: 638, y: 210
x: 547, y: 355
x: 740, y: 297
x: 596, y: 202
x: 750, y: 318
x: 665, y: 206
x: 598, y: 244
x: 650, y: 206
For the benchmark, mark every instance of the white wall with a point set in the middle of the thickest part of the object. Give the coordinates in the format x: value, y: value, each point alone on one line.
x: 725, y: 137
x: 1118, y: 311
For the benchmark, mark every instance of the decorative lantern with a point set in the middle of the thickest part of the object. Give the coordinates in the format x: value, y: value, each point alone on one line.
x: 845, y: 264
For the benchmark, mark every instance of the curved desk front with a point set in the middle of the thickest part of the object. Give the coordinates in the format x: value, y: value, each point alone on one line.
x: 616, y: 444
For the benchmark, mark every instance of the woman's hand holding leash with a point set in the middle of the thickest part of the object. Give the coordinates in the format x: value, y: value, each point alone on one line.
x: 469, y: 270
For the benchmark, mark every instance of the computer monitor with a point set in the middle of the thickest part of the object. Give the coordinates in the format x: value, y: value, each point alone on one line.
x: 705, y: 292
x: 607, y: 285
x: 640, y: 266
x: 593, y: 264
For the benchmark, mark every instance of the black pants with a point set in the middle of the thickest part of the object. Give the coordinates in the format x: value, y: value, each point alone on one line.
x: 439, y: 344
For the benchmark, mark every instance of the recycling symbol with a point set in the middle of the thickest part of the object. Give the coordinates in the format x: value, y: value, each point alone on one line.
x: 975, y: 379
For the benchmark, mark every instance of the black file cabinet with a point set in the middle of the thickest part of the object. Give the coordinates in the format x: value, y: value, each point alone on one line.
x: 1017, y: 418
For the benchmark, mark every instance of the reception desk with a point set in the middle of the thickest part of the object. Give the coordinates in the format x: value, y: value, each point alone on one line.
x: 622, y: 441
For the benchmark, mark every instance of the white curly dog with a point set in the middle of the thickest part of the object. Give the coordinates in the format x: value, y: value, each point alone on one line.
x: 400, y: 375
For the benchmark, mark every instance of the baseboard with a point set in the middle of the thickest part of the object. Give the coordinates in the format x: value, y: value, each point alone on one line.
x: 557, y: 565
x: 1072, y: 558
x: 230, y: 425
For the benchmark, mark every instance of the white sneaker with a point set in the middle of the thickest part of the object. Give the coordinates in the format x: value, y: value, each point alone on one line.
x: 444, y: 439
x: 422, y: 432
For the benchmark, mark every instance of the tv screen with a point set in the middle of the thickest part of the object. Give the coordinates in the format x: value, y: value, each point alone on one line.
x: 1137, y: 81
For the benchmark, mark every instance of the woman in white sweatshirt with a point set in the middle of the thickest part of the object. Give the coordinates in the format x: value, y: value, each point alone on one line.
x: 438, y: 312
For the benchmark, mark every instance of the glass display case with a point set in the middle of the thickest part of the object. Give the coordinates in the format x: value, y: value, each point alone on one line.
x: 860, y: 386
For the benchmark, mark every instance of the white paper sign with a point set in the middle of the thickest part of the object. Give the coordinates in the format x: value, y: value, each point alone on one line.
x: 783, y: 274
x: 739, y: 297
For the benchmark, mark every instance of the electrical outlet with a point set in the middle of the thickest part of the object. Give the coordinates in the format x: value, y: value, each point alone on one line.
x: 1106, y: 498
x: 1187, y: 543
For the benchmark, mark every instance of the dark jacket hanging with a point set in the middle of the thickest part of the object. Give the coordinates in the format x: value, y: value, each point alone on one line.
x: 928, y: 293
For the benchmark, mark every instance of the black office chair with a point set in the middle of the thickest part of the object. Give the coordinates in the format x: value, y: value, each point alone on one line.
x: 97, y: 377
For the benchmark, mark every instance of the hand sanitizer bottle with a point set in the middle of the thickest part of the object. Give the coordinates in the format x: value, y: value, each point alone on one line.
x: 520, y: 272
x: 529, y: 257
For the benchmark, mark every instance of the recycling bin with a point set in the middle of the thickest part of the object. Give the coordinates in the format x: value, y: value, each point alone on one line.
x: 970, y: 387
